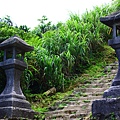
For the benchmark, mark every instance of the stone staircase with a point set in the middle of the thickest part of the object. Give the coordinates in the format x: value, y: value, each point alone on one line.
x: 77, y: 106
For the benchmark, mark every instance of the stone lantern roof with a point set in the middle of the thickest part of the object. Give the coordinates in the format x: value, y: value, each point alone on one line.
x: 112, y: 19
x: 16, y: 42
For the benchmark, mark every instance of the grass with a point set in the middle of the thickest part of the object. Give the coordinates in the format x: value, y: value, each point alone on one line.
x: 86, y: 101
x: 41, y: 103
x: 62, y: 105
x: 96, y: 69
x: 84, y: 95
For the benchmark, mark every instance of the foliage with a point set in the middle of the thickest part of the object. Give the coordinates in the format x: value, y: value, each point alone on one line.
x: 6, y: 20
x: 61, y: 51
x: 44, y: 26
x: 24, y: 28
x: 70, y: 48
x: 41, y: 103
x: 7, y: 30
x: 116, y: 5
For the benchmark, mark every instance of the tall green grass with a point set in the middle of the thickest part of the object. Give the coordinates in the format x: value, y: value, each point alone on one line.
x: 69, y: 49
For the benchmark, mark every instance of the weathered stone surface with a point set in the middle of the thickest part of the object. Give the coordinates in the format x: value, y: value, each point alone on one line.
x: 13, y: 104
x: 111, y: 97
x: 105, y: 107
x: 16, y: 42
x: 16, y: 113
x: 112, y: 92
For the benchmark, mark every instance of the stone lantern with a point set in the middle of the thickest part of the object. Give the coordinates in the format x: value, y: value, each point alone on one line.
x: 13, y: 104
x: 110, y: 103
x: 113, y: 21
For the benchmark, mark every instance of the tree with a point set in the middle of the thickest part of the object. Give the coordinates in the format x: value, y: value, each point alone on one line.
x: 7, y: 20
x: 44, y: 26
x: 24, y: 28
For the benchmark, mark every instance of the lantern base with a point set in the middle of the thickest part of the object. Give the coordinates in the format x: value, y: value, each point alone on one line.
x: 16, y: 113
x: 106, y: 107
x: 112, y: 92
x: 15, y: 107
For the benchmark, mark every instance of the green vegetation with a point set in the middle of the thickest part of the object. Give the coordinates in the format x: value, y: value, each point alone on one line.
x: 61, y: 51
x: 64, y: 54
x: 66, y: 51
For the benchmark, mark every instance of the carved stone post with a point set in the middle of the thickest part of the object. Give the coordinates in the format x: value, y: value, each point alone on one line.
x: 13, y: 104
x: 110, y: 103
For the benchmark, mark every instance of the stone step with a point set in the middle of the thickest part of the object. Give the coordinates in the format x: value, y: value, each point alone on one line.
x: 71, y: 109
x: 78, y: 116
x: 89, y: 90
x: 68, y: 113
x: 86, y: 97
x: 99, y: 85
x: 89, y: 95
x: 109, y: 77
x: 60, y: 112
x: 96, y: 93
x: 85, y: 107
x: 91, y: 98
x: 103, y: 80
x: 95, y: 85
x: 60, y: 116
x: 114, y: 64
x: 82, y: 100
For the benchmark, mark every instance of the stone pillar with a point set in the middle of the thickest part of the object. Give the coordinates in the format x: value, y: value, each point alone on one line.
x: 114, y: 90
x: 110, y: 103
x: 13, y: 104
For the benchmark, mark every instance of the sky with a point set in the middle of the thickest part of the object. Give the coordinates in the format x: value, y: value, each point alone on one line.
x: 27, y: 12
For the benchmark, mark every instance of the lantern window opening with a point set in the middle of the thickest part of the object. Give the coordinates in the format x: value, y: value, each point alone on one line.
x: 8, y: 53
x: 20, y: 54
x: 116, y: 30
x: 1, y: 56
x: 4, y: 54
x: 13, y: 53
